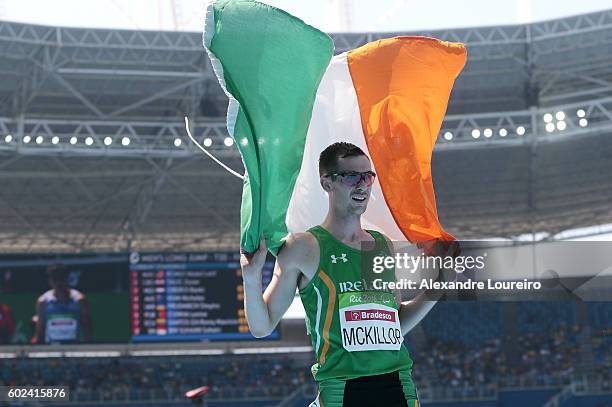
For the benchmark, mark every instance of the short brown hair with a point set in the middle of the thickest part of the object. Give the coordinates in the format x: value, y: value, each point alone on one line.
x: 328, y: 160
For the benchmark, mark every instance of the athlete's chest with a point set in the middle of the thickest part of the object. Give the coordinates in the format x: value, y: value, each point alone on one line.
x: 348, y: 270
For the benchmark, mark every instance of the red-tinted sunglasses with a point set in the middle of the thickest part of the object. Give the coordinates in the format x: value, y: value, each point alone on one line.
x: 352, y: 178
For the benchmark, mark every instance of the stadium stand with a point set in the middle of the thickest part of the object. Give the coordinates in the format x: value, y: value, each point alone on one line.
x: 446, y: 369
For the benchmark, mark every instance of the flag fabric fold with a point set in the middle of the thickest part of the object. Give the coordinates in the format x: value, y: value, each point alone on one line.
x: 270, y: 65
x: 290, y: 99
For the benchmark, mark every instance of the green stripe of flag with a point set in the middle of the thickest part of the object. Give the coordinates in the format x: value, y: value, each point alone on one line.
x: 272, y: 65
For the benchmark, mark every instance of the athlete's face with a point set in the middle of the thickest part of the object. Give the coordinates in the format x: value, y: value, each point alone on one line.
x: 347, y: 198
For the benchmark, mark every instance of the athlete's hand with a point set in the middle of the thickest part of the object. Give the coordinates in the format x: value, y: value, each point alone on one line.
x: 440, y: 248
x: 252, y: 263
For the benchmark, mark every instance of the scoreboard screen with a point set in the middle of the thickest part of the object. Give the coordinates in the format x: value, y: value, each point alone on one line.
x: 189, y: 297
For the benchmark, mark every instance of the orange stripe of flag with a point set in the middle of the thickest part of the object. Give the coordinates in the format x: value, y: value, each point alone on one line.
x: 403, y: 85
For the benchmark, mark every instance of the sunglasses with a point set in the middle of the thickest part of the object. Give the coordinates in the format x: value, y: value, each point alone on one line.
x: 352, y: 178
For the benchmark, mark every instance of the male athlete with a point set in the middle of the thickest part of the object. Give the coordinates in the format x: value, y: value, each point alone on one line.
x: 63, y: 314
x: 357, y: 331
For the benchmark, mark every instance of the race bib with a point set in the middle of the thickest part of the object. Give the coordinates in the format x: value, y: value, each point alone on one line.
x: 61, y: 328
x: 369, y: 321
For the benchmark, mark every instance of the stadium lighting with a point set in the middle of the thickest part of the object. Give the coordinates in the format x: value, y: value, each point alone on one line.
x: 488, y: 133
x: 503, y: 132
x: 108, y: 141
x: 54, y: 140
x: 476, y: 133
x: 73, y: 140
x: 580, y: 113
x: 44, y: 354
x: 207, y: 142
x: 583, y: 122
x: 89, y: 141
x: 93, y: 354
x: 177, y: 142
x: 176, y: 352
x: 561, y: 125
x: 560, y: 115
x: 244, y: 141
x: 125, y: 141
x: 279, y: 349
x: 550, y: 127
x: 228, y: 141
x: 39, y: 140
x: 520, y: 130
x: 27, y: 139
x: 8, y: 138
x: 548, y: 118
x: 448, y: 136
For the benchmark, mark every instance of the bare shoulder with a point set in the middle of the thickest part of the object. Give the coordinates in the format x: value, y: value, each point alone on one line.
x: 301, y: 253
x: 298, y: 246
x: 44, y: 297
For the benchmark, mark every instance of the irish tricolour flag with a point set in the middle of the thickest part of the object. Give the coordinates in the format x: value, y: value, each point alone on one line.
x: 290, y: 98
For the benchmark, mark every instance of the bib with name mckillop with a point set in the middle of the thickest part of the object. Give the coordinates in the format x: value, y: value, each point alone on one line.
x: 369, y: 321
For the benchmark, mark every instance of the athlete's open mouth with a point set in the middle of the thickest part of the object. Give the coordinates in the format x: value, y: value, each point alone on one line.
x: 358, y: 198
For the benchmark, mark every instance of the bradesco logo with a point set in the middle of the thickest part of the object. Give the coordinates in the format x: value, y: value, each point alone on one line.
x: 369, y: 315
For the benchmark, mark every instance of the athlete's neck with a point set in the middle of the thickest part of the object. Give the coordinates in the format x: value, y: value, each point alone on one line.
x: 345, y: 228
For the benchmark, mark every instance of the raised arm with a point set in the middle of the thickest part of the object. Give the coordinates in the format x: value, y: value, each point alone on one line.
x: 263, y: 312
x: 413, y: 311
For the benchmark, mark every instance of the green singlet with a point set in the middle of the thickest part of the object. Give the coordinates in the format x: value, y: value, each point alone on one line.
x: 355, y: 329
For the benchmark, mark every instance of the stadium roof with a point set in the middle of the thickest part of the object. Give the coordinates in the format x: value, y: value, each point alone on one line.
x: 538, y: 96
x: 327, y: 15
